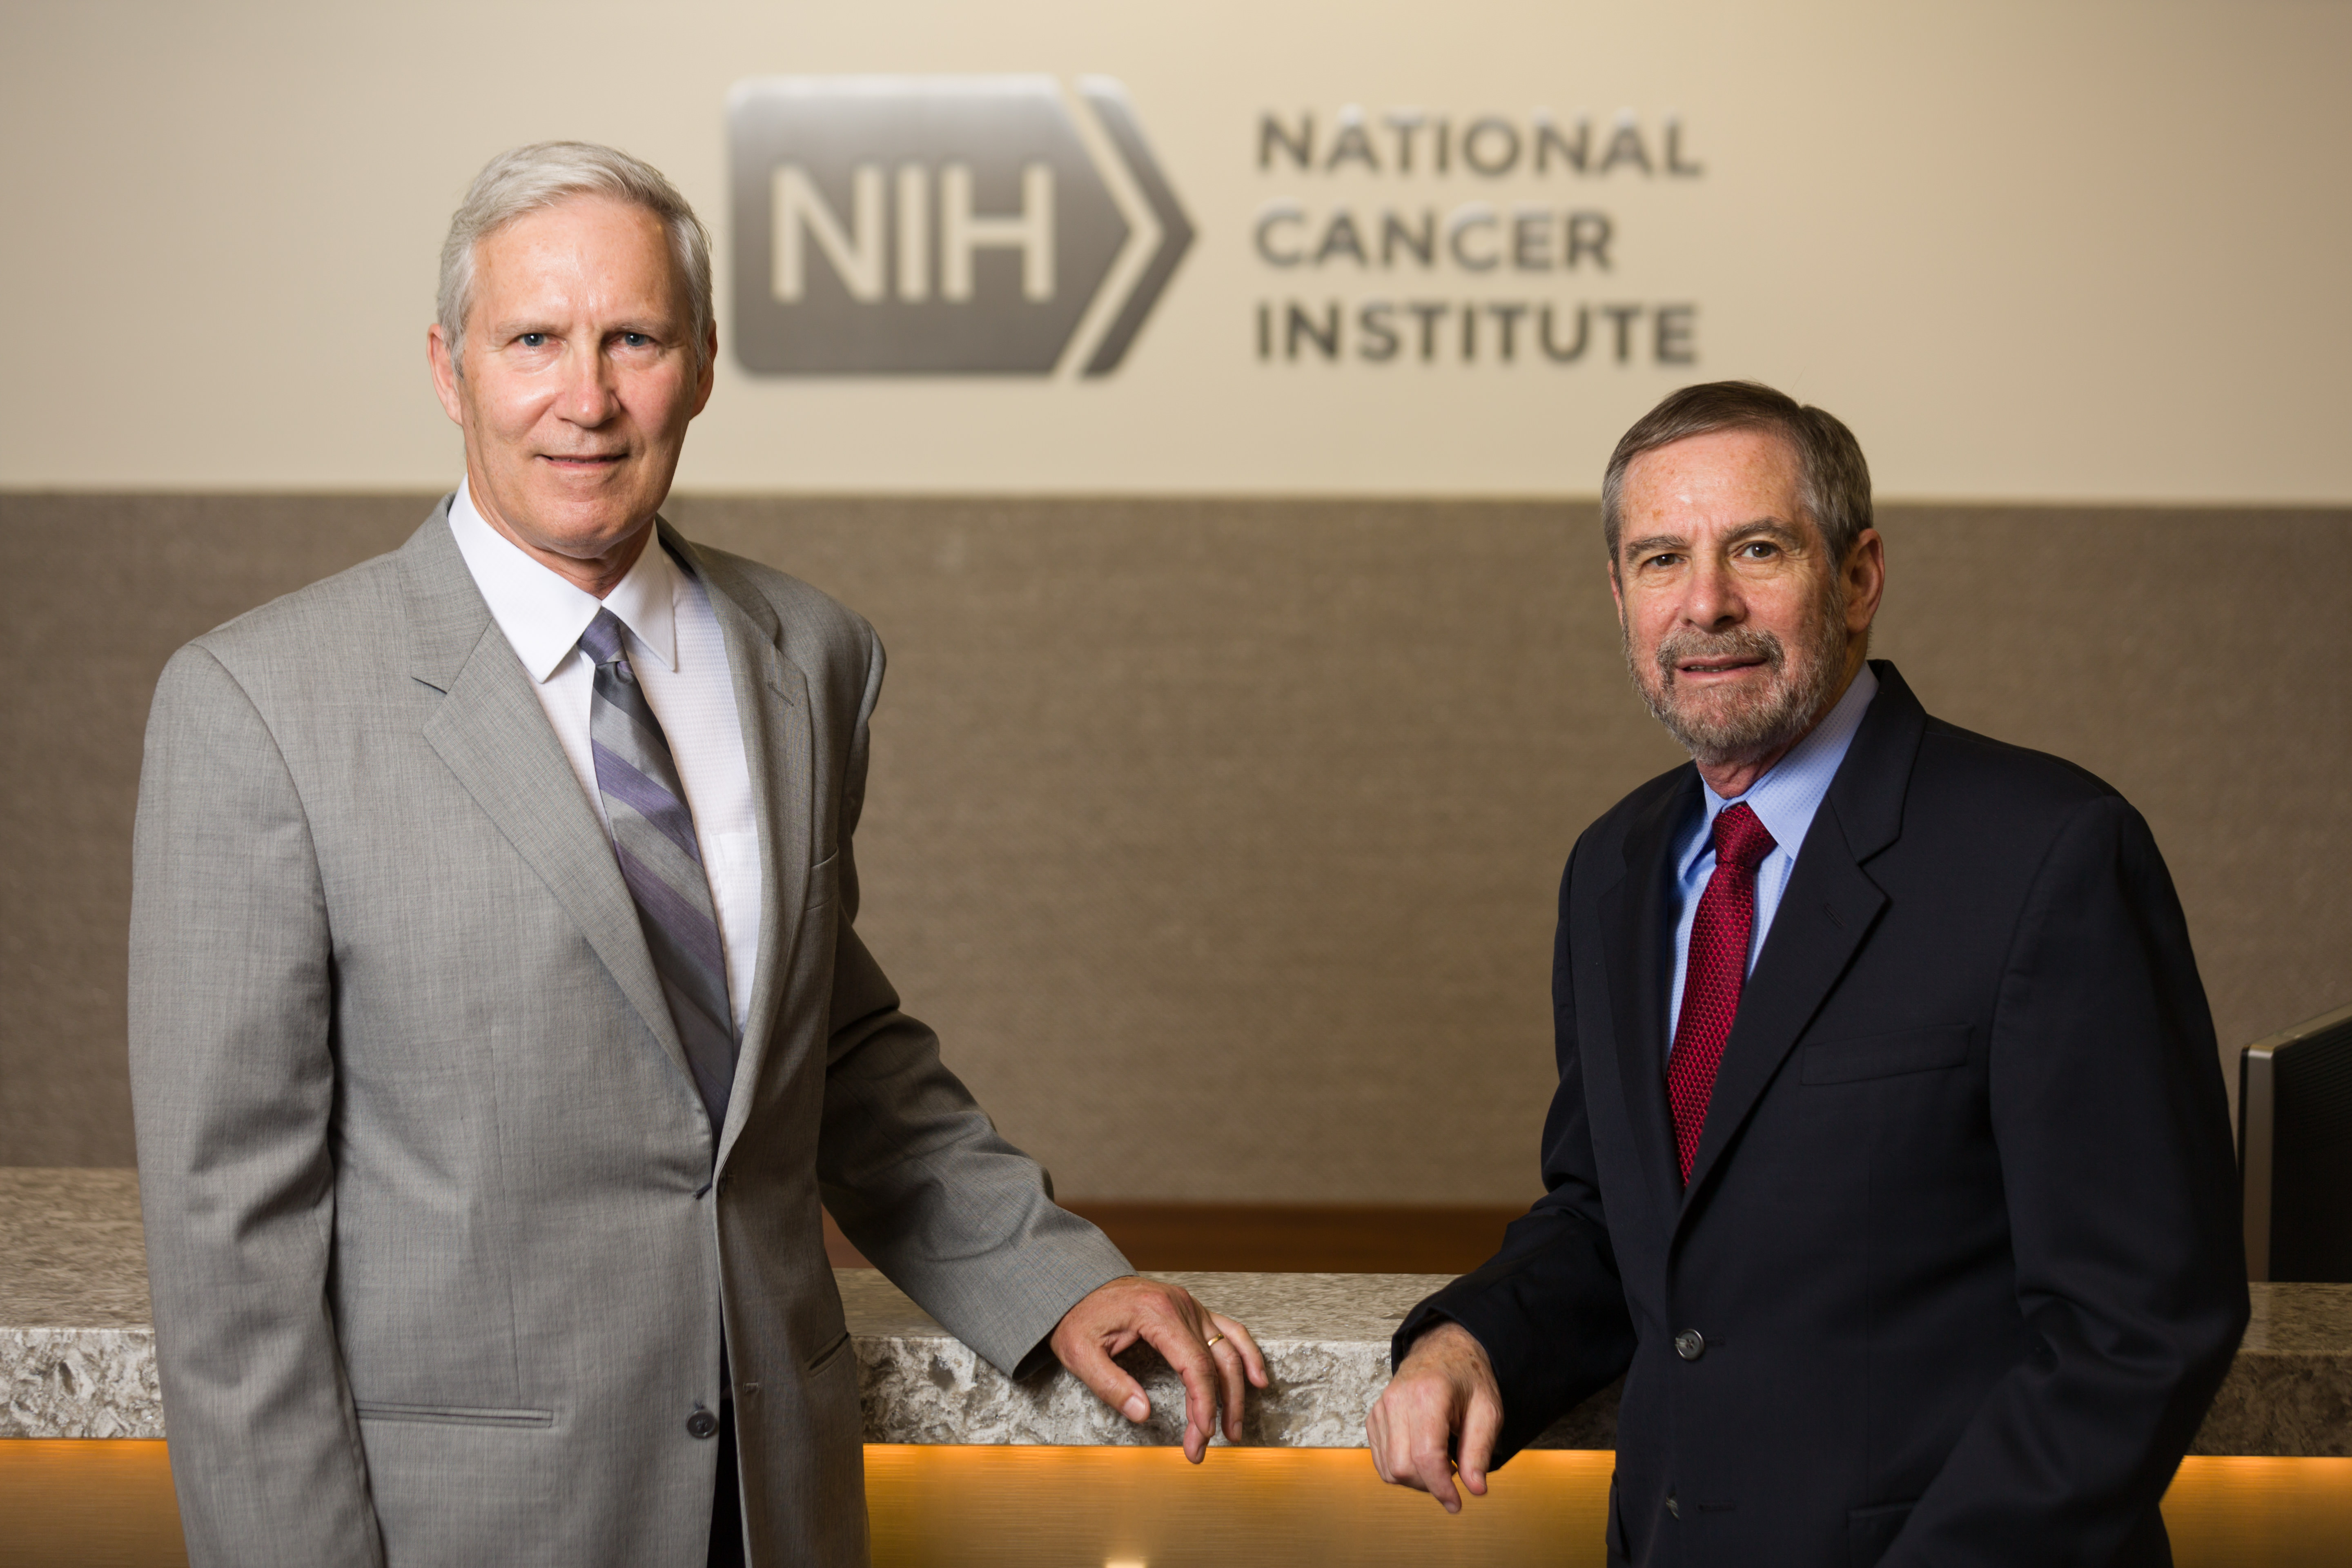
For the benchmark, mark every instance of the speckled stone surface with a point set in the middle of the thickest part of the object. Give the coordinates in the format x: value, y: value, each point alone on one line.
x: 71, y: 1249
x: 2290, y: 1390
x: 1326, y: 1338
x: 81, y: 1382
x: 78, y: 1358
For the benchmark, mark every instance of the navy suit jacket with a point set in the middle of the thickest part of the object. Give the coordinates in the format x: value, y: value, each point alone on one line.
x: 1958, y: 1267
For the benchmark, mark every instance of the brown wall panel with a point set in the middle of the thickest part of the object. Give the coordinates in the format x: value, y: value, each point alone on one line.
x: 110, y: 586
x: 1220, y: 837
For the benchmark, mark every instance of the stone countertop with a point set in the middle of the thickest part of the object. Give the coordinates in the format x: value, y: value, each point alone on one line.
x: 1326, y: 1338
x: 77, y: 1360
x: 76, y: 1355
x: 71, y: 1249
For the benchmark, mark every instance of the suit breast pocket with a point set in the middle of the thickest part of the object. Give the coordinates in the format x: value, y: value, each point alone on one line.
x: 824, y: 883
x: 1857, y: 1060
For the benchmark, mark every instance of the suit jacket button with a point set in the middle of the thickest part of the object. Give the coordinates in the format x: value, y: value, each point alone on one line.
x: 701, y: 1424
x: 1690, y: 1344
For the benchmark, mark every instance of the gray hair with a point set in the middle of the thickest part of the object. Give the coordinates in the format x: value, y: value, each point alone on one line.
x: 1833, y: 479
x: 528, y: 179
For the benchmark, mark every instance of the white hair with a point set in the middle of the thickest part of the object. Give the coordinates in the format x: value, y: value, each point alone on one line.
x: 528, y: 179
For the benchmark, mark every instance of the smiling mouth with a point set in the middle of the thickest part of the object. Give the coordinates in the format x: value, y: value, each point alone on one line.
x: 582, y: 459
x: 1704, y: 660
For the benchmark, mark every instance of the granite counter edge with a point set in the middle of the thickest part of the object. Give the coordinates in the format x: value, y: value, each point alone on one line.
x: 929, y: 1388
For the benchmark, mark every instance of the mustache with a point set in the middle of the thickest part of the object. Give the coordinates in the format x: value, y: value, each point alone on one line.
x: 1741, y: 642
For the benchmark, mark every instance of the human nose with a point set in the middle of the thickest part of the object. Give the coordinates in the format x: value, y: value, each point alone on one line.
x: 589, y: 396
x: 1712, y: 599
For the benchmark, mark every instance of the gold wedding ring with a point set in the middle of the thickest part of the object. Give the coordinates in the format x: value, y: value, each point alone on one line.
x: 1211, y: 1341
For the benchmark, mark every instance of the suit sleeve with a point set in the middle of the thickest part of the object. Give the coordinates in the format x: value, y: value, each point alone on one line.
x: 233, y: 1084
x: 2112, y: 1124
x: 914, y: 1170
x: 1550, y: 1307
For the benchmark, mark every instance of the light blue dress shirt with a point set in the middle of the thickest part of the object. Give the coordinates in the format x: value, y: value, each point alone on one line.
x: 1784, y: 800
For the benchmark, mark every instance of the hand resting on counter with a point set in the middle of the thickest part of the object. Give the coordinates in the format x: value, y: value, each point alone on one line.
x: 1211, y: 1353
x: 1446, y: 1386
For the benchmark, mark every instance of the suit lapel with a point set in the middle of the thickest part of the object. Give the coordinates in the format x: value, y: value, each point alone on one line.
x: 492, y: 735
x: 1828, y: 908
x: 1637, y: 945
x: 772, y: 704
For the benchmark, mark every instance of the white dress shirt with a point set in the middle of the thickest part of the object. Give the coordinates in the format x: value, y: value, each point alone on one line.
x: 1785, y: 800
x: 680, y: 660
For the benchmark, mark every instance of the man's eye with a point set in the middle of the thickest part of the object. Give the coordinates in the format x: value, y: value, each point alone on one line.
x: 532, y: 340
x: 1759, y: 549
x: 635, y: 340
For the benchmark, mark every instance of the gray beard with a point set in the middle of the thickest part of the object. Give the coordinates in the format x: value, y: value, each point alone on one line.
x: 1769, y: 722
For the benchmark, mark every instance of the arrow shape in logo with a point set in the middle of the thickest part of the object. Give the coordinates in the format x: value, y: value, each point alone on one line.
x: 1109, y: 101
x: 930, y: 225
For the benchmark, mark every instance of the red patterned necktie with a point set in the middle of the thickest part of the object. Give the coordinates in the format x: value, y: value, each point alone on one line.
x: 1716, y: 971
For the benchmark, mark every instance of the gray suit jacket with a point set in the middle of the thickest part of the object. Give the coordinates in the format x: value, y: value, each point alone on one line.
x: 440, y: 1234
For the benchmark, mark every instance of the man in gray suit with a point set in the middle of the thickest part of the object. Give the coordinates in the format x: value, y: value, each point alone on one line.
x: 499, y: 1023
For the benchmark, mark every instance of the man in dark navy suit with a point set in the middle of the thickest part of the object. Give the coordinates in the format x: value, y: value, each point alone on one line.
x: 1890, y: 1162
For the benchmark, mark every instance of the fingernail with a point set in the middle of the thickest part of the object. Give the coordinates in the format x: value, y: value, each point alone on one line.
x: 1138, y: 1408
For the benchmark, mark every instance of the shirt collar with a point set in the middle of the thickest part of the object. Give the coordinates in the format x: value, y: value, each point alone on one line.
x: 543, y: 615
x: 1786, y: 798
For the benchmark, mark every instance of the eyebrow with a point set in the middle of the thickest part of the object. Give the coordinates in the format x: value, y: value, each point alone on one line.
x: 1763, y: 527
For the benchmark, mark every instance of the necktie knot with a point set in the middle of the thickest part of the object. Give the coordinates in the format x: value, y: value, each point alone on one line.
x: 1740, y: 838
x: 602, y: 640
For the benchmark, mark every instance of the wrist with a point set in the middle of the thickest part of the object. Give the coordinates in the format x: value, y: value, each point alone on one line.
x: 1445, y: 1339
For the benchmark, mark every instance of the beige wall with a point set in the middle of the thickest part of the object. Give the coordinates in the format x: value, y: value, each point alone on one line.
x: 1220, y: 803
x: 2034, y: 249
x: 1220, y: 837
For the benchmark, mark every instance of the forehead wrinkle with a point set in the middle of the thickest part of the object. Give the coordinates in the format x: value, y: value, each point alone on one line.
x: 568, y: 287
x: 546, y: 266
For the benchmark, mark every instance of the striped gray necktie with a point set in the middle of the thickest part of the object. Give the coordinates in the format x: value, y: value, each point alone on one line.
x: 653, y: 836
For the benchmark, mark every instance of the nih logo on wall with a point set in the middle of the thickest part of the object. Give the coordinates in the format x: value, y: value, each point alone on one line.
x: 930, y: 226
